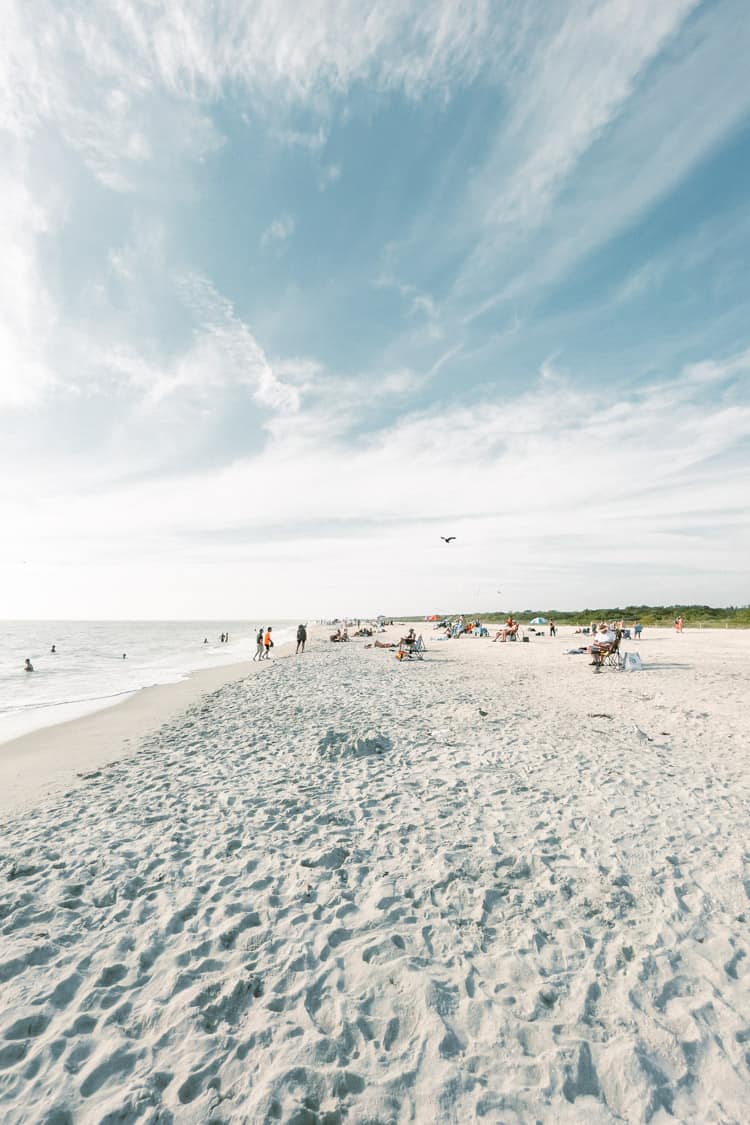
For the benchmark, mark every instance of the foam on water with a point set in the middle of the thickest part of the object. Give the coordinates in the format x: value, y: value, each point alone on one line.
x: 88, y: 673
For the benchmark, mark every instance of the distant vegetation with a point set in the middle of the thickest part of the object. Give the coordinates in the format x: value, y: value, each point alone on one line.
x: 693, y: 616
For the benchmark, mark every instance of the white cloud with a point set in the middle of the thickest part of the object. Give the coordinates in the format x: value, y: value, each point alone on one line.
x: 223, y: 353
x: 278, y: 231
x: 656, y: 126
x: 26, y: 313
x: 298, y: 138
x: 573, y: 86
x: 329, y: 174
x: 555, y: 465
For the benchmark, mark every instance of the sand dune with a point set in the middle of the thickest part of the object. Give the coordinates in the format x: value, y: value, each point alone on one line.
x: 335, y: 891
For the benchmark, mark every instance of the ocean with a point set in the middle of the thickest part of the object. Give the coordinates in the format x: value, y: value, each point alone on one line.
x: 87, y: 672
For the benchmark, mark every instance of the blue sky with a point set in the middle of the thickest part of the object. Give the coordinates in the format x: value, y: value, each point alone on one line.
x: 290, y: 290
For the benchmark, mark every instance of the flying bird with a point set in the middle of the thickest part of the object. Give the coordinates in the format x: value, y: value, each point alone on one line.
x: 448, y: 538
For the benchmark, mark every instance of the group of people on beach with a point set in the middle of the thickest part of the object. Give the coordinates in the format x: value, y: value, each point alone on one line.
x: 263, y: 643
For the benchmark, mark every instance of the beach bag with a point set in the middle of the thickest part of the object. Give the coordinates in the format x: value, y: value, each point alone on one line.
x: 632, y: 662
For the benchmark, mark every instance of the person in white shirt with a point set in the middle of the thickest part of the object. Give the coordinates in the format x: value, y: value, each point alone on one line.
x: 603, y: 642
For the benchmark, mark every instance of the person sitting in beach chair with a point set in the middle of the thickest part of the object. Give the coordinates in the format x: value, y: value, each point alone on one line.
x: 410, y: 639
x: 606, y: 647
x: 416, y: 649
x: 510, y: 629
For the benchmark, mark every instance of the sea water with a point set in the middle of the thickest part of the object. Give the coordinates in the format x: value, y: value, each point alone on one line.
x: 88, y: 672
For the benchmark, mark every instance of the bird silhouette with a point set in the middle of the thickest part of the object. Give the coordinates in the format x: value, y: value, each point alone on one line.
x: 447, y: 539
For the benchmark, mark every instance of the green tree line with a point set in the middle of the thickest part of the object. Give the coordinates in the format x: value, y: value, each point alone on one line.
x: 693, y: 616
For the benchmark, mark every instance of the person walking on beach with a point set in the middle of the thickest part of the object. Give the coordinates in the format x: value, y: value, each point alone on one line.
x: 267, y: 643
x: 552, y: 629
x: 259, y: 644
x: 301, y: 638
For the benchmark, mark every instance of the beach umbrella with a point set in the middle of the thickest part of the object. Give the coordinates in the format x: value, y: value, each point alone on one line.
x: 539, y: 621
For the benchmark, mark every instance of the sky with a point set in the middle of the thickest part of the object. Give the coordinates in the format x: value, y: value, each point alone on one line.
x: 290, y: 291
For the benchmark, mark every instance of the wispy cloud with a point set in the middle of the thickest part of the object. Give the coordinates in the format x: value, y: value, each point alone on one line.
x: 298, y: 138
x: 26, y: 313
x: 278, y: 231
x: 656, y: 126
x: 329, y: 174
x: 578, y: 80
x: 544, y: 455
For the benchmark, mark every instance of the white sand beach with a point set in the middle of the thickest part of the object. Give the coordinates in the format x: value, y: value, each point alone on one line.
x: 489, y: 885
x: 48, y: 760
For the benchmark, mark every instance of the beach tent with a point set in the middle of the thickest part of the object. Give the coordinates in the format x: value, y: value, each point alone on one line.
x: 539, y: 621
x: 434, y: 617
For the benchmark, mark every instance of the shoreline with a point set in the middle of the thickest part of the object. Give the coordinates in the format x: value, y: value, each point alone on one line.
x: 44, y: 762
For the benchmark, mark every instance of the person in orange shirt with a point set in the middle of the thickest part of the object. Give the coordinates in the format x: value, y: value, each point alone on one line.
x: 267, y: 642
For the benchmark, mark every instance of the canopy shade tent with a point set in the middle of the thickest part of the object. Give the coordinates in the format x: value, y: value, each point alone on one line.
x: 433, y: 617
x: 539, y: 621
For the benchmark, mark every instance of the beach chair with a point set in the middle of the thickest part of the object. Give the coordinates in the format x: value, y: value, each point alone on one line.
x: 413, y: 651
x: 612, y: 657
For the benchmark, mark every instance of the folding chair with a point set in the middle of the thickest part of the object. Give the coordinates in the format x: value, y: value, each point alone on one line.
x: 413, y: 651
x: 611, y: 657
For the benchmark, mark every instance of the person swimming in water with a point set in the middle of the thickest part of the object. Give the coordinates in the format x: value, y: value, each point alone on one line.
x: 53, y: 650
x: 28, y: 666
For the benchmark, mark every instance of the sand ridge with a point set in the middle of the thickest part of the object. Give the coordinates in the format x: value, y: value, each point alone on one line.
x: 338, y: 892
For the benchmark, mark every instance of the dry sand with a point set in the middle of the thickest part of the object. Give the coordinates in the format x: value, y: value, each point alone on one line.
x: 491, y: 885
x: 47, y: 761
